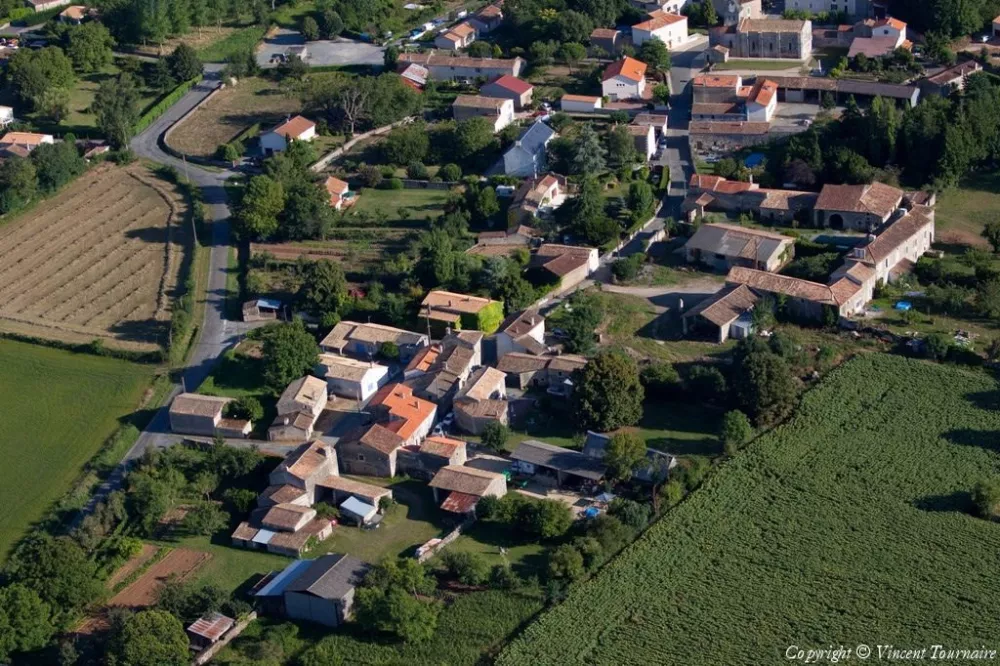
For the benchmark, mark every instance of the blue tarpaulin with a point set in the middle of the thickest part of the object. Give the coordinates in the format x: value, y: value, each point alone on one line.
x: 754, y: 159
x: 591, y: 512
x: 903, y: 305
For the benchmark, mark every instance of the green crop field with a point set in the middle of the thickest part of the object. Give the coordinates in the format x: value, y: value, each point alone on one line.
x: 56, y: 409
x: 847, y: 525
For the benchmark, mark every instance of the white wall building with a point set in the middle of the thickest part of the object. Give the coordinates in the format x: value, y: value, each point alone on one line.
x: 350, y: 378
x: 671, y: 29
x: 624, y: 79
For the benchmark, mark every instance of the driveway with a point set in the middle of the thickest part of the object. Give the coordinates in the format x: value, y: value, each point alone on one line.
x: 338, y: 52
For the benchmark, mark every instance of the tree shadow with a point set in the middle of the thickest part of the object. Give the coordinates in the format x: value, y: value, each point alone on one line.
x: 156, y: 235
x: 959, y: 501
x: 984, y: 439
x: 140, y: 330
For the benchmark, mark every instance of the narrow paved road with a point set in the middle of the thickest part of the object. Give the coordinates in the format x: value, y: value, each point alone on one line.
x: 215, y: 334
x: 684, y: 66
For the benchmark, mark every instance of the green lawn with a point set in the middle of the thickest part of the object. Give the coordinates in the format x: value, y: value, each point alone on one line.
x: 235, y: 43
x: 57, y: 409
x: 850, y: 521
x: 403, y: 207
x: 238, y: 375
x: 526, y: 558
x: 963, y: 211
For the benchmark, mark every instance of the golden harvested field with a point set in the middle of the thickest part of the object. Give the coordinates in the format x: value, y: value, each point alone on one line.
x: 99, y: 260
x: 230, y: 111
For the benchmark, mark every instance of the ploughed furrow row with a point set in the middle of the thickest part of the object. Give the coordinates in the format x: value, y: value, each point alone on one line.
x: 74, y: 258
x: 54, y: 223
x: 86, y: 311
x: 49, y: 249
x: 90, y: 285
x: 137, y: 307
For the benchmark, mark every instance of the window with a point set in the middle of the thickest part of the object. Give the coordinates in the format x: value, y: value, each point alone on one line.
x: 361, y: 457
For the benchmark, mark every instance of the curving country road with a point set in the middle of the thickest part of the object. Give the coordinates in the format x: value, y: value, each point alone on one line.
x: 215, y: 334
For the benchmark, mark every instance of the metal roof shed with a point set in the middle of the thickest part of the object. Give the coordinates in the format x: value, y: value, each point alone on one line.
x: 360, y: 511
x: 564, y: 462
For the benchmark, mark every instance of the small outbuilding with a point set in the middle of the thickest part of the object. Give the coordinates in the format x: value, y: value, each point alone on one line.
x: 564, y: 466
x: 359, y: 512
x: 208, y: 629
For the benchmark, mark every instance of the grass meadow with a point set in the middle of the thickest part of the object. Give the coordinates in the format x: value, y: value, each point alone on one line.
x: 56, y: 409
x: 849, y: 524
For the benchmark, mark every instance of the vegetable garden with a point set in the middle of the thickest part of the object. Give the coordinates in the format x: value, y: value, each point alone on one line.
x: 849, y: 524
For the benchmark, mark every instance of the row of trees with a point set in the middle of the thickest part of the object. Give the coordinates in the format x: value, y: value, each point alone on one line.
x: 153, y: 21
x: 935, y: 143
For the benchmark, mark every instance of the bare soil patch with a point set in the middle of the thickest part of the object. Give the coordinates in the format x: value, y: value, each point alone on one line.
x: 180, y: 563
x: 99, y: 260
x: 228, y: 113
x: 133, y: 565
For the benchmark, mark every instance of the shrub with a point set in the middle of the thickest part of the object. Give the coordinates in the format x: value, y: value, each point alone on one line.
x: 986, y: 496
x: 630, y: 512
x: 417, y: 171
x: 369, y: 175
x: 627, y: 268
x: 705, y: 382
x: 660, y: 379
x: 467, y: 568
x: 246, y: 407
x: 450, y: 172
x: 393, y: 184
x: 565, y: 562
x: 495, y: 436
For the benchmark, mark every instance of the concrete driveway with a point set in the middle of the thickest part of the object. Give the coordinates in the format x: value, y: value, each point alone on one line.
x: 323, y: 53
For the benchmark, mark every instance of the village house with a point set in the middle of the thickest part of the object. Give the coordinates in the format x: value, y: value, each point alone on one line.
x: 556, y: 465
x: 721, y: 137
x: 448, y: 310
x: 350, y: 378
x: 483, y: 399
x: 644, y: 137
x: 499, y: 111
x: 509, y: 87
x: 296, y: 128
x: 22, y: 144
x: 856, y: 207
x: 671, y: 29
x: 568, y: 264
x: 580, y: 103
x: 813, y: 89
x: 877, y: 38
x: 319, y: 591
x: 487, y: 19
x: 553, y: 373
x: 434, y: 453
x: 74, y: 14
x: 413, y: 75
x: 853, y: 8
x: 891, y: 253
x: 714, y: 193
x: 522, y: 332
x: 45, y: 5
x: 458, y: 488
x: 528, y: 155
x: 950, y: 79
x: 204, y: 415
x: 996, y: 26
x: 298, y: 407
x: 624, y: 79
x: 339, y: 193
x: 537, y: 196
x: 369, y: 451
x: 608, y: 40
x: 447, y: 67
x: 765, y: 38
x: 439, y: 371
x: 398, y: 410
x: 733, y: 11
x: 722, y: 246
x: 457, y: 37
x: 295, y: 479
x: 762, y: 101
x: 6, y: 116
x: 658, y: 121
x: 366, y: 340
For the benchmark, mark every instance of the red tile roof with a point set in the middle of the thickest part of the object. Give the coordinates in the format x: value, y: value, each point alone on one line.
x: 513, y: 84
x: 630, y: 68
x: 659, y: 19
x: 293, y: 128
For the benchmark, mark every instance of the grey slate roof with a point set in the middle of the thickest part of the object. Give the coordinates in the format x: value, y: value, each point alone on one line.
x: 556, y: 457
x: 330, y: 576
x: 533, y: 140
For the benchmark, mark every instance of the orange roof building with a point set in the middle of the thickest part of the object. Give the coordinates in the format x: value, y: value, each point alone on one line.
x: 628, y: 68
x: 408, y: 416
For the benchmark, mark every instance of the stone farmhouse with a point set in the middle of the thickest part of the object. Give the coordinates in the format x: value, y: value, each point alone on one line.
x: 434, y: 453
x: 446, y: 67
x: 448, y: 310
x: 457, y: 37
x: 765, y: 38
x: 438, y: 372
x: 722, y: 246
x: 204, y: 415
x: 882, y: 258
x: 299, y: 405
x: 568, y: 264
x: 713, y: 193
x: 510, y: 87
x: 481, y: 400
x: 856, y: 207
x: 366, y: 339
x: 553, y: 373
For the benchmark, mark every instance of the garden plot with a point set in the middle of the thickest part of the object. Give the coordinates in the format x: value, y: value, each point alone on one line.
x: 98, y: 261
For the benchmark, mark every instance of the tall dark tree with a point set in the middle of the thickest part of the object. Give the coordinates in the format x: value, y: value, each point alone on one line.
x: 607, y: 393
